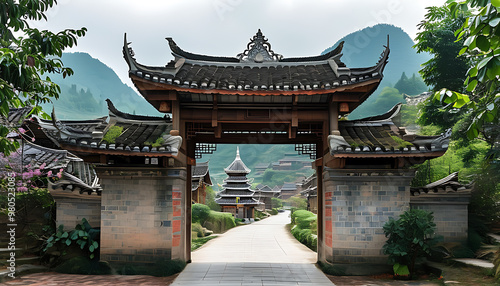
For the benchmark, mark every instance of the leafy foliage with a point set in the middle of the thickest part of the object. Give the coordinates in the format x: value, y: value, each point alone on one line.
x: 436, y: 36
x: 27, y: 55
x: 84, y: 236
x: 409, y: 238
x: 479, y: 34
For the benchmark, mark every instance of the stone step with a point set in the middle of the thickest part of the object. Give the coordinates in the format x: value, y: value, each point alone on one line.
x: 21, y: 269
x: 475, y: 262
x: 496, y: 237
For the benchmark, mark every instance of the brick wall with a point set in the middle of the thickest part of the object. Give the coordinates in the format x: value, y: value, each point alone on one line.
x: 142, y: 216
x: 71, y: 209
x: 357, y: 203
x: 450, y: 213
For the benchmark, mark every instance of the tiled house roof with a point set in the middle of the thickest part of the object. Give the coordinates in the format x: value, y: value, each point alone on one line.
x: 378, y: 136
x: 200, y: 175
x: 257, y: 69
x: 448, y: 184
x: 138, y: 135
x: 52, y: 159
x: 15, y: 117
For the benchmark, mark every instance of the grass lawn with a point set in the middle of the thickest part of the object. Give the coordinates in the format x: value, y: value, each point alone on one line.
x: 198, y: 242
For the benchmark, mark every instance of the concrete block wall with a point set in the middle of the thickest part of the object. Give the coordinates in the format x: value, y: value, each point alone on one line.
x: 142, y: 217
x: 71, y: 210
x: 450, y: 213
x: 357, y: 203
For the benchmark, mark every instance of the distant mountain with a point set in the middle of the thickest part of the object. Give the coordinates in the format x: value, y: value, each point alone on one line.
x: 83, y: 94
x: 363, y: 48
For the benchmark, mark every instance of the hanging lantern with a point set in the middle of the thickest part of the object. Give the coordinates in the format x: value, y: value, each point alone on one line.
x: 344, y: 107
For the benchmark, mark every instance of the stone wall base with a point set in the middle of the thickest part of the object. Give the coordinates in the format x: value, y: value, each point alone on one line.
x: 143, y: 216
x: 357, y: 203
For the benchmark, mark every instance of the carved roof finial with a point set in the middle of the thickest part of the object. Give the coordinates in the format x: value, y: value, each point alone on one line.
x: 259, y: 50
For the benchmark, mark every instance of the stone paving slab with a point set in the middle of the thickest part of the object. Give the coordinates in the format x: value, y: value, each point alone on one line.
x: 248, y: 273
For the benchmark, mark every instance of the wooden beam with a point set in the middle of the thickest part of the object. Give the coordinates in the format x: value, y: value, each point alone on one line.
x: 176, y: 115
x: 214, y: 112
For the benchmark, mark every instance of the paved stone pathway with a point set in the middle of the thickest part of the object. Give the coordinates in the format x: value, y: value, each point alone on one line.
x: 266, y: 241
x: 262, y: 253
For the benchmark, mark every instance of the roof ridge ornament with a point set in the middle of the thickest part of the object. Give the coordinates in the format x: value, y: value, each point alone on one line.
x: 259, y: 50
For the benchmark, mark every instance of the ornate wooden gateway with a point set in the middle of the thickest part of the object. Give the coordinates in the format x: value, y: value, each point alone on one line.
x: 257, y: 97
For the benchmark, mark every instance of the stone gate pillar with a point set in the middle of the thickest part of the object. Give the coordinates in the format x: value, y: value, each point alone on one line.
x: 357, y: 203
x: 142, y: 214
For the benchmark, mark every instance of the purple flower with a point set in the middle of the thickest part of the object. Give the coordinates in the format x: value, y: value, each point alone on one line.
x: 21, y: 130
x: 49, y: 174
x: 22, y: 189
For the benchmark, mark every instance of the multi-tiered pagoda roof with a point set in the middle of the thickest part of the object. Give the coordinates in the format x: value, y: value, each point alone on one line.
x: 236, y: 187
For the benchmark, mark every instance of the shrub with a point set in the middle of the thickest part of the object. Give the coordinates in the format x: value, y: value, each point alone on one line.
x: 276, y: 203
x: 409, y: 238
x: 274, y: 211
x: 304, y: 228
x: 199, y: 213
x: 219, y: 222
x: 297, y: 203
x: 197, y: 229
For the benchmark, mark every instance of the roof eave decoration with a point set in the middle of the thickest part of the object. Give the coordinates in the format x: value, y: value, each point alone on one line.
x: 259, y: 50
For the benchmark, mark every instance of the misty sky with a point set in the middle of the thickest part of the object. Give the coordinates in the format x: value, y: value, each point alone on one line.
x: 222, y: 27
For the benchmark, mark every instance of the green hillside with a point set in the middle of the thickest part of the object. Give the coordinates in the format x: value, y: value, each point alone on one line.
x: 98, y: 82
x: 363, y: 48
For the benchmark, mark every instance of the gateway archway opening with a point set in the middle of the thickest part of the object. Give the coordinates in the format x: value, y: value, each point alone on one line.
x: 247, y: 179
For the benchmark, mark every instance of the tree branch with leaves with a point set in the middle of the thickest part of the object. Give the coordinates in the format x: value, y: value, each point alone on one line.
x: 27, y: 56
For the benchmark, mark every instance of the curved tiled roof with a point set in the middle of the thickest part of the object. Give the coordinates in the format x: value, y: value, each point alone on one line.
x: 237, y: 166
x: 448, y: 184
x: 252, y: 73
x: 15, y: 117
x: 379, y: 135
x: 137, y: 137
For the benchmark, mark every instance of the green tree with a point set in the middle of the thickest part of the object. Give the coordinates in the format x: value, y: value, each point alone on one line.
x: 27, y: 55
x: 410, y: 86
x: 446, y: 68
x: 480, y: 35
x: 437, y: 37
